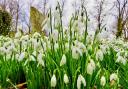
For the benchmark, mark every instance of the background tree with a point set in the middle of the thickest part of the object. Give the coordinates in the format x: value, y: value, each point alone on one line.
x: 122, y: 16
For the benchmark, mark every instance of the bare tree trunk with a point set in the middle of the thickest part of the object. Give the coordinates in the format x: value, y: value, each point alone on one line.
x: 17, y: 15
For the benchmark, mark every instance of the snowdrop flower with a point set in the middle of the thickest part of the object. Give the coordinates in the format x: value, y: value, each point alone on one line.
x: 92, y: 63
x: 21, y: 56
x: 44, y: 46
x: 2, y: 50
x: 113, y: 77
x: 40, y: 60
x: 121, y: 60
x: 91, y: 67
x: 102, y: 81
x: 34, y: 53
x: 104, y: 48
x: 24, y: 38
x: 63, y: 60
x: 67, y: 47
x: 36, y: 35
x: 56, y: 46
x: 53, y: 81
x: 32, y: 58
x: 99, y: 55
x: 66, y: 80
x: 80, y: 81
x: 36, y: 43
x: 82, y: 47
x: 8, y: 56
x: 48, y: 45
x: 76, y: 52
x: 18, y: 34
x: 117, y: 49
x: 55, y: 35
x: 89, y: 47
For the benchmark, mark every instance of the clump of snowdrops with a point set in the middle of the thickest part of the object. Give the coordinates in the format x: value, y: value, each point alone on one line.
x: 68, y: 58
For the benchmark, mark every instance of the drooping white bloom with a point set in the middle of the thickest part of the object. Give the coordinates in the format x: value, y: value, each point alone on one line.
x: 2, y: 50
x: 18, y: 34
x: 34, y: 53
x: 53, y: 81
x: 24, y: 40
x: 40, y: 59
x: 56, y: 46
x: 80, y: 81
x: 66, y: 47
x: 99, y: 55
x: 36, y: 35
x: 32, y: 58
x: 83, y: 80
x: 89, y: 47
x: 21, y: 56
x: 48, y: 45
x: 63, y: 60
x: 121, y: 59
x: 91, y: 67
x: 113, y: 76
x: 66, y: 80
x: 102, y: 81
x: 44, y: 46
x: 82, y: 47
x: 55, y: 35
x: 92, y: 64
x: 104, y: 48
x: 36, y: 43
x: 76, y: 52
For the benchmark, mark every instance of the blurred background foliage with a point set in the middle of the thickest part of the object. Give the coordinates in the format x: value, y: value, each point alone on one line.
x: 5, y: 22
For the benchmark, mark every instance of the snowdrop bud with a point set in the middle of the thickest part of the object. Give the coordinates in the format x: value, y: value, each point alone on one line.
x: 63, y: 60
x: 113, y: 77
x: 99, y: 55
x: 53, y: 81
x: 66, y: 80
x: 91, y: 67
x: 80, y: 81
x: 102, y: 81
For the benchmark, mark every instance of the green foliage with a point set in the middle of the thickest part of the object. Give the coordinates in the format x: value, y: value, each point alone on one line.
x: 5, y: 22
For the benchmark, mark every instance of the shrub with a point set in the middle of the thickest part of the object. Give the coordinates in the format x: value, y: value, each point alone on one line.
x: 5, y: 22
